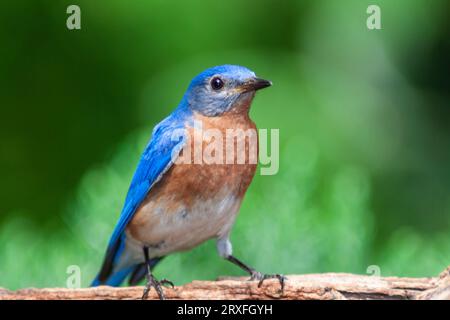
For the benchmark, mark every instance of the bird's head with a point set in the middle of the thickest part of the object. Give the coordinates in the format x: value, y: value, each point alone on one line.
x: 221, y: 89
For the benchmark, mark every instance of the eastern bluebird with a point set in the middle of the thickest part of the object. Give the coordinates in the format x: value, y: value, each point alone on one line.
x: 172, y: 206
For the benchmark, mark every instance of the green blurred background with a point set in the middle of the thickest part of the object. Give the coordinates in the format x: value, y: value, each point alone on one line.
x: 364, y: 119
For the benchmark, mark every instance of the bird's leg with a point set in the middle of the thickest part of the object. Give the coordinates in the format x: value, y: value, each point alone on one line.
x: 152, y: 282
x: 256, y: 275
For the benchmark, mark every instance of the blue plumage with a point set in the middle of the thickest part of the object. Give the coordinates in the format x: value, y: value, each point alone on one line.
x: 210, y: 95
x: 155, y: 160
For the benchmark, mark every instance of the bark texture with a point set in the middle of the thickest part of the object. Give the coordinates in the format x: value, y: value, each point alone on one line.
x: 327, y: 286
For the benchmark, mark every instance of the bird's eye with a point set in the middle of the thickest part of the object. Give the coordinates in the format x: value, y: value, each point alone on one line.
x: 216, y: 83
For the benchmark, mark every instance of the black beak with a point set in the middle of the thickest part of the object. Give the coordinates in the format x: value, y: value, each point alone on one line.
x: 256, y: 84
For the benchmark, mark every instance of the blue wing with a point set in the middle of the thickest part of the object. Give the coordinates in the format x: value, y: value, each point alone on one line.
x: 168, y: 138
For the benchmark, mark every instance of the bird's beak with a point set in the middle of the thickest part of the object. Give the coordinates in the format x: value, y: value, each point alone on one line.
x: 255, y: 84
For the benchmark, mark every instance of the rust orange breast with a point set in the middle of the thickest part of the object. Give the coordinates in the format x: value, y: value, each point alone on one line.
x: 184, y: 185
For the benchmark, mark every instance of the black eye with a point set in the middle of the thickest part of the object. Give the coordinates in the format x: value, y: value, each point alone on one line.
x: 216, y: 83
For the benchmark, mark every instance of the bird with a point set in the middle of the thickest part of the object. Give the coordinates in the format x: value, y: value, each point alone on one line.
x: 173, y: 206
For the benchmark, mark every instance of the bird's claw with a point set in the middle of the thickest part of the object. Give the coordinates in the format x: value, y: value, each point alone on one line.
x: 152, y: 282
x: 166, y: 282
x: 262, y: 277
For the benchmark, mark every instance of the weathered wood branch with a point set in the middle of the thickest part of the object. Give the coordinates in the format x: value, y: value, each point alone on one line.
x: 328, y: 286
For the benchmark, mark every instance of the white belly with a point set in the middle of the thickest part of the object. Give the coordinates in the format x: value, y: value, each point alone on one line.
x: 182, y: 229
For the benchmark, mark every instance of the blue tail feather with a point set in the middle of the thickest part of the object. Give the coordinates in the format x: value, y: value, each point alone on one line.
x: 114, y: 279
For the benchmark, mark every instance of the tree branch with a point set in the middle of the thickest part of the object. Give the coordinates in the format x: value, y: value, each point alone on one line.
x: 327, y: 286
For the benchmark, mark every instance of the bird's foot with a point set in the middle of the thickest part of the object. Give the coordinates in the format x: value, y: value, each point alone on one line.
x: 152, y: 282
x: 255, y: 275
